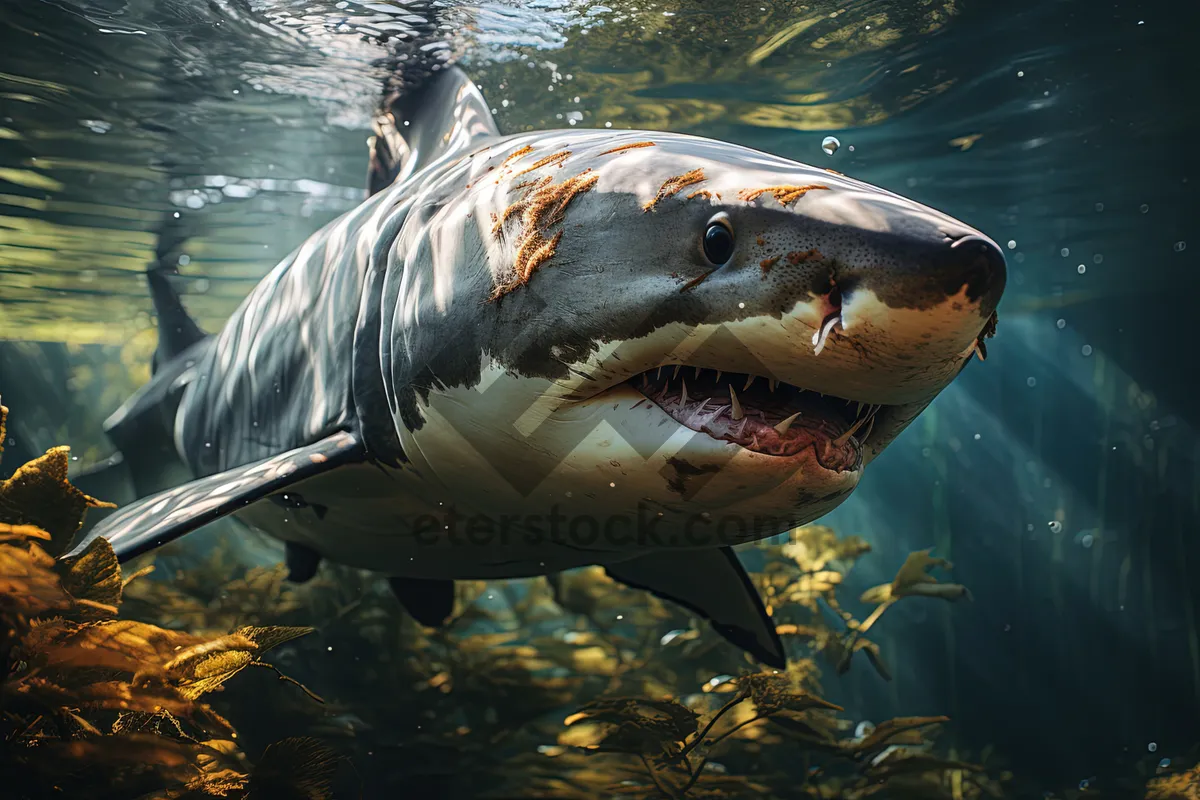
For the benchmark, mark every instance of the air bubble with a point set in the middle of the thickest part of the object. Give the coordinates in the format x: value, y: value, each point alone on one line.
x: 1012, y: 244
x: 830, y: 145
x: 1031, y: 382
x: 1180, y: 247
x: 1087, y: 540
x: 1081, y: 269
x: 1066, y: 251
x: 1086, y: 349
x: 1152, y: 747
x: 1055, y: 526
x: 1062, y: 323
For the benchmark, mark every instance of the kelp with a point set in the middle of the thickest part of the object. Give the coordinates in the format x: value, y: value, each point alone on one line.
x: 576, y: 685
x: 573, y: 686
x: 96, y: 706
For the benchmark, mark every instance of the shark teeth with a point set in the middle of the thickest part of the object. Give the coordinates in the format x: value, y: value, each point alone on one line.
x: 736, y: 407
x: 782, y: 427
x: 867, y: 431
x: 863, y: 420
x: 777, y: 419
x: 821, y: 337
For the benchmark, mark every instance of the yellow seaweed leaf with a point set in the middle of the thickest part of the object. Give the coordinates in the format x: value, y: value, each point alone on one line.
x: 815, y: 546
x: 207, y: 673
x: 913, y: 580
x: 267, y: 638
x: 39, y: 494
x: 966, y: 142
x: 122, y: 645
x: 94, y: 576
x: 898, y: 731
x: 638, y: 725
x: 1180, y: 786
x: 298, y: 768
x: 772, y: 692
x: 28, y: 586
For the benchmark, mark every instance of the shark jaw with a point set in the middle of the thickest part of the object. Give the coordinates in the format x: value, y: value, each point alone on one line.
x: 761, y: 414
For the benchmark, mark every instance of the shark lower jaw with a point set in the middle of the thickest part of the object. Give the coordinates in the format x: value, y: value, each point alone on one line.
x: 763, y: 415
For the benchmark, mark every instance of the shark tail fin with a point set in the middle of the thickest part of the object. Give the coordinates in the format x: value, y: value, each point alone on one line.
x: 444, y: 115
x: 177, y: 331
x: 142, y: 429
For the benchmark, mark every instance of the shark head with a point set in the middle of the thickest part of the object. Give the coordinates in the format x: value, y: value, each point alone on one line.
x: 659, y: 325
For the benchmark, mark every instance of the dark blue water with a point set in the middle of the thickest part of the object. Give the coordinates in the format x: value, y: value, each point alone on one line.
x: 1060, y: 477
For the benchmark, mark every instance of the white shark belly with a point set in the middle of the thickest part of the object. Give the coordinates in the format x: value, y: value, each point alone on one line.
x: 367, y: 516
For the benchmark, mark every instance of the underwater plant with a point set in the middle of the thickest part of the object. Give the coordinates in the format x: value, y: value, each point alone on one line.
x: 576, y: 685
x: 97, y: 706
x: 120, y: 685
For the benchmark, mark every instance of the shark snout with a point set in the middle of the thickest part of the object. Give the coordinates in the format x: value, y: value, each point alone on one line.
x: 924, y: 270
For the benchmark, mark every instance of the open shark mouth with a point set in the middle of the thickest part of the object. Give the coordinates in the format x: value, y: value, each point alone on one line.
x: 761, y: 414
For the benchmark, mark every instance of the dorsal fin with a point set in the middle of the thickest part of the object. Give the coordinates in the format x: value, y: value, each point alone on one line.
x: 445, y: 115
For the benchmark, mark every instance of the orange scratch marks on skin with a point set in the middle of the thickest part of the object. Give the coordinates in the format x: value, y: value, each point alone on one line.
x: 761, y: 241
x: 800, y: 256
x: 704, y: 193
x: 556, y: 158
x: 767, y: 263
x: 674, y: 185
x: 625, y: 147
x: 782, y: 194
x: 515, y: 154
x: 543, y: 207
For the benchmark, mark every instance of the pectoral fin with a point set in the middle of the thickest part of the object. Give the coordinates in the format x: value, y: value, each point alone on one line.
x: 429, y: 601
x: 302, y: 562
x: 713, y: 584
x: 163, y: 517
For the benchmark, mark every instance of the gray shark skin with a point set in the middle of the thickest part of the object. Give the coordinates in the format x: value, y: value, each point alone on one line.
x: 535, y: 352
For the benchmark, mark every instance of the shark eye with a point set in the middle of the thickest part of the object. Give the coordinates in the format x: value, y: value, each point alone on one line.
x: 718, y: 241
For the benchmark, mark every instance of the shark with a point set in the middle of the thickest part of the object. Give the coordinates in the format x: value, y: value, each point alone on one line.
x: 528, y: 353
